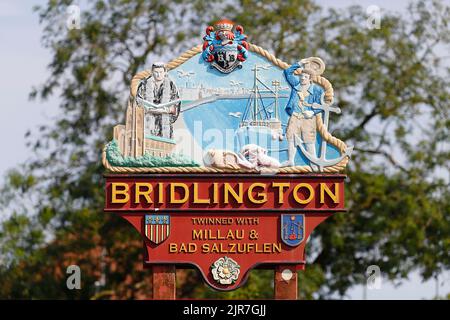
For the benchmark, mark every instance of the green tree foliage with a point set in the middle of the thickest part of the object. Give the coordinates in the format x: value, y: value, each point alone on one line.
x: 392, y: 84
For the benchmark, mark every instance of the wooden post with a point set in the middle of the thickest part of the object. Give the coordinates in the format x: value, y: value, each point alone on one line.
x: 164, y: 285
x: 285, y: 285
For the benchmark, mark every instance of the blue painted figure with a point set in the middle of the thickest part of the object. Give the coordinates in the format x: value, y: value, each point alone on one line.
x: 300, y: 108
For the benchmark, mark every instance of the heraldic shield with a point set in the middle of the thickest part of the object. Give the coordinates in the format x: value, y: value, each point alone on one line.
x: 225, y: 59
x: 292, y: 229
x: 157, y: 228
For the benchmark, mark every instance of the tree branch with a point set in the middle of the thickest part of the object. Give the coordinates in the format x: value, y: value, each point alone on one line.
x: 362, y: 124
x: 387, y: 155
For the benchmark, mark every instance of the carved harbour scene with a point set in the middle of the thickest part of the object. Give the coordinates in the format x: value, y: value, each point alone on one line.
x: 228, y: 105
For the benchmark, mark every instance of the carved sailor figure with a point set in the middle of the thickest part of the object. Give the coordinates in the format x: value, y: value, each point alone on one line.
x: 159, y: 96
x: 300, y: 107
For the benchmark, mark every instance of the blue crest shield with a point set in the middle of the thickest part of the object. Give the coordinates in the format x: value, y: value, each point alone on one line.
x: 292, y: 229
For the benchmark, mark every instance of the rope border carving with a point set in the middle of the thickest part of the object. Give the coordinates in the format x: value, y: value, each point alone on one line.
x: 329, y: 95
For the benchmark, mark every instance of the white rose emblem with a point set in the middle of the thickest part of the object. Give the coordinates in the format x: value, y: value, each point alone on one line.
x: 225, y: 270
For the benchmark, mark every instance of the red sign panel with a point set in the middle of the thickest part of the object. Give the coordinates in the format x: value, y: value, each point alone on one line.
x: 225, y: 225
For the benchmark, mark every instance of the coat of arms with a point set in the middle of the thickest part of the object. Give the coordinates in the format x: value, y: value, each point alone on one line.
x: 292, y: 229
x: 224, y: 48
x: 157, y: 228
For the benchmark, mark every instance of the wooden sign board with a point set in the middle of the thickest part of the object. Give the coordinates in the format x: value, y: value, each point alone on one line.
x: 207, y: 220
x: 225, y: 162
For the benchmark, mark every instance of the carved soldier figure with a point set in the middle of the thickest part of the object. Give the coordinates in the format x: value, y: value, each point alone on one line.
x: 302, y: 121
x: 160, y: 98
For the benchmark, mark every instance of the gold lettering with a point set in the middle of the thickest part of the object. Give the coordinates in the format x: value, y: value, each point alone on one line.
x: 145, y: 193
x: 192, y: 247
x: 229, y: 190
x: 281, y: 186
x: 184, y: 248
x: 311, y: 193
x: 115, y: 192
x: 262, y: 197
x: 160, y: 193
x: 172, y: 248
x: 196, y: 199
x: 215, y: 248
x: 175, y: 185
x: 276, y: 247
x: 325, y: 189
x: 197, y: 234
x: 241, y: 248
x: 215, y: 192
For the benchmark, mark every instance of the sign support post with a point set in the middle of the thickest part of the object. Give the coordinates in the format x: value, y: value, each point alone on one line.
x: 164, y: 282
x: 285, y: 283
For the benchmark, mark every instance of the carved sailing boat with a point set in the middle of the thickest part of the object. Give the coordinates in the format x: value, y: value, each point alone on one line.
x: 260, y: 123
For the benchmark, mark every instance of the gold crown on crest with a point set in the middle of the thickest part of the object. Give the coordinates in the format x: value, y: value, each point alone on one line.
x: 224, y: 25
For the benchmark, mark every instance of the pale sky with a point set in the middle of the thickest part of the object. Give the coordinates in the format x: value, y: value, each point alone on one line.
x: 23, y: 64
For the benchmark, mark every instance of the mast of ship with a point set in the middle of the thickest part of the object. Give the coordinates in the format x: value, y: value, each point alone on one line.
x: 255, y: 88
x: 276, y: 87
x: 253, y: 105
